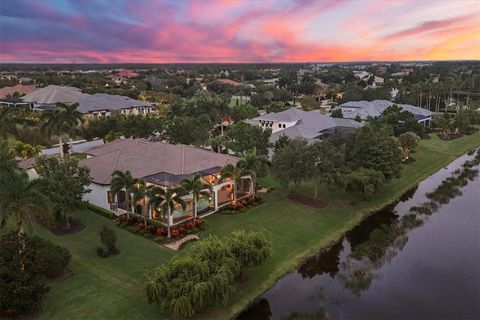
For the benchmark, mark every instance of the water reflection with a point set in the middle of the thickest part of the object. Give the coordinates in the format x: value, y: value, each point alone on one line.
x: 325, y: 262
x: 338, y: 282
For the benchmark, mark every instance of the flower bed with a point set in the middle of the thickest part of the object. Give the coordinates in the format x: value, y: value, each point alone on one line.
x: 158, y: 232
x: 242, y: 205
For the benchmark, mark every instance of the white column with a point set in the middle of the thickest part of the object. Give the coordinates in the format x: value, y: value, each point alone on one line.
x: 215, y: 191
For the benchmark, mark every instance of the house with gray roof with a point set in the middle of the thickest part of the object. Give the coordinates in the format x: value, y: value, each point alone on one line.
x: 375, y: 108
x: 102, y: 104
x: 163, y: 165
x: 296, y: 123
x: 98, y: 104
x: 47, y: 97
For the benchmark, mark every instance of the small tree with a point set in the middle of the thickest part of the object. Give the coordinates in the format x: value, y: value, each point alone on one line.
x: 292, y: 163
x: 109, y: 239
x: 365, y: 182
x: 408, y: 141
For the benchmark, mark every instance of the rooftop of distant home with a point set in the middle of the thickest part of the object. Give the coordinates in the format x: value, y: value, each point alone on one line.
x: 20, y: 88
x: 162, y: 163
x: 87, y: 103
x: 296, y: 123
x: 375, y: 108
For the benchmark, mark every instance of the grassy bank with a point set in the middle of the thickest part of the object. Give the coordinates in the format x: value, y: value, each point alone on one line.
x: 112, y: 288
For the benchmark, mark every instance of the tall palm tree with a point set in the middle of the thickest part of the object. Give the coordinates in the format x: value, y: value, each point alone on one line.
x: 61, y: 121
x: 139, y: 192
x: 22, y: 198
x: 256, y: 164
x: 197, y: 188
x: 170, y: 198
x: 217, y: 143
x: 235, y: 173
x: 7, y: 124
x: 124, y: 181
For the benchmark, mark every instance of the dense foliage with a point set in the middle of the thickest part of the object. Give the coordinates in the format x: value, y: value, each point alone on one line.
x: 65, y: 183
x: 204, y: 276
x: 24, y: 264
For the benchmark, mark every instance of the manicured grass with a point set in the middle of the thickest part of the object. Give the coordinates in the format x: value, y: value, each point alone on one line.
x: 112, y: 288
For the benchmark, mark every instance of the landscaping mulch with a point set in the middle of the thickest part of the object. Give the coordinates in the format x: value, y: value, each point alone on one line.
x: 311, y: 202
x: 74, y: 228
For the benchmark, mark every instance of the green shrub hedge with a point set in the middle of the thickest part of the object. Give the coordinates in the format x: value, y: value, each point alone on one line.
x: 101, y: 211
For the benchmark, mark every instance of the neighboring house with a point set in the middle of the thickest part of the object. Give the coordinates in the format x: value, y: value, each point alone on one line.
x: 295, y: 123
x: 101, y: 104
x: 361, y: 74
x: 28, y: 165
x: 270, y: 82
x: 164, y: 165
x: 98, y: 104
x: 46, y: 98
x: 229, y: 82
x: 19, y: 88
x: 10, y: 96
x: 374, y: 109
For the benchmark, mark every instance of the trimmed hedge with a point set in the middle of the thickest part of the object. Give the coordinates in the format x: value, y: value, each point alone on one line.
x: 101, y: 211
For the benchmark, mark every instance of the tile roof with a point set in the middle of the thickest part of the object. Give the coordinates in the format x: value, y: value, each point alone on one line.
x: 20, y: 88
x: 144, y: 158
x: 312, y: 124
x: 53, y: 94
x: 103, y: 101
x: 375, y: 108
x: 289, y: 115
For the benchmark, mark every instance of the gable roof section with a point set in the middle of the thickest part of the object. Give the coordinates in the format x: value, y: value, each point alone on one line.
x: 313, y: 124
x: 375, y: 108
x: 145, y: 158
x: 289, y: 115
x: 103, y: 101
x: 54, y: 94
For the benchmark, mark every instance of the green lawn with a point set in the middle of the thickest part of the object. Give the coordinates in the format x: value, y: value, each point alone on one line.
x: 112, y: 288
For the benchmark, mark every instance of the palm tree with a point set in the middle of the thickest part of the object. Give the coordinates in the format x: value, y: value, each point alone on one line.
x: 139, y: 192
x: 22, y: 198
x: 61, y: 121
x: 170, y: 198
x: 124, y: 181
x: 197, y: 188
x: 25, y: 150
x: 255, y: 164
x: 217, y: 143
x: 7, y: 124
x: 235, y: 173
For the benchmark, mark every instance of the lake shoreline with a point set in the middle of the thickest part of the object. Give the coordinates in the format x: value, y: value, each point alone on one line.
x: 351, y: 224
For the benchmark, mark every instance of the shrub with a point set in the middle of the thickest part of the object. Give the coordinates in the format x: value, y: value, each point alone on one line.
x: 159, y: 239
x: 108, y: 239
x: 50, y: 258
x: 103, y: 212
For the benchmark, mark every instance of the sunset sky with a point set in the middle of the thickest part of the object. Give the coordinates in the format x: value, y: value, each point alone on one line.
x: 114, y: 31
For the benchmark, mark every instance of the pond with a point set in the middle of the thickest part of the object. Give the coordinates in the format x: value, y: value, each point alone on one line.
x: 403, y: 262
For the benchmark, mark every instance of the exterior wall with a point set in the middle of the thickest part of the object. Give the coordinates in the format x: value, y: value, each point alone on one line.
x: 275, y: 125
x: 32, y: 174
x: 98, y: 195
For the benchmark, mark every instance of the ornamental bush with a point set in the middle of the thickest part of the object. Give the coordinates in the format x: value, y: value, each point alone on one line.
x: 51, y: 260
x: 109, y: 239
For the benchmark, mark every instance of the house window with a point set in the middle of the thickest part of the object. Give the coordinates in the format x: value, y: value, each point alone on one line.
x: 284, y: 126
x: 110, y: 196
x: 279, y: 125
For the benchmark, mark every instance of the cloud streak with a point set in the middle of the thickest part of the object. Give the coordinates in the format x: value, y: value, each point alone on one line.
x: 100, y: 31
